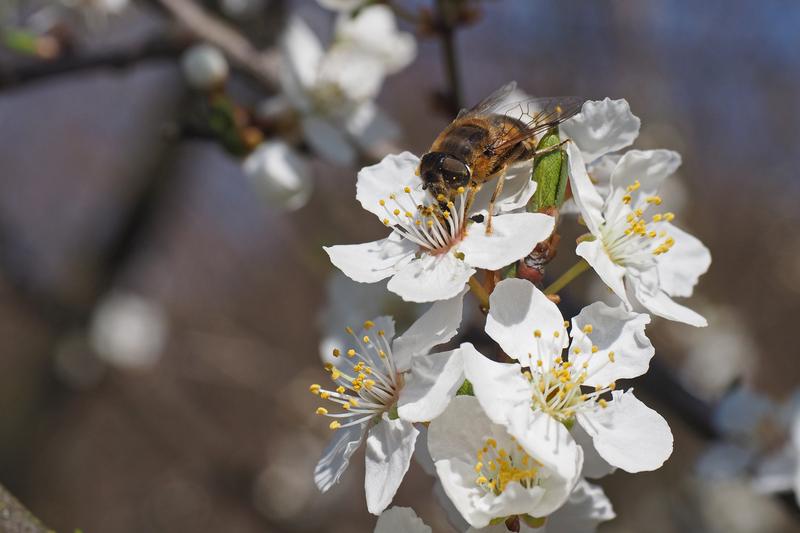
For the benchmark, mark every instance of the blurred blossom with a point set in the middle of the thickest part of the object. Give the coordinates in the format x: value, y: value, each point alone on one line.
x: 374, y: 31
x: 128, y: 330
x: 332, y: 90
x: 716, y: 358
x: 400, y: 519
x: 761, y: 442
x: 341, y: 5
x: 204, y: 67
x: 281, y: 176
x: 731, y: 507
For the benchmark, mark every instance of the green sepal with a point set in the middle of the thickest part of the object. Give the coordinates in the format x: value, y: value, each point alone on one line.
x: 569, y: 423
x: 465, y: 389
x: 510, y: 271
x: 393, y: 412
x: 497, y: 521
x: 550, y: 174
x: 532, y: 521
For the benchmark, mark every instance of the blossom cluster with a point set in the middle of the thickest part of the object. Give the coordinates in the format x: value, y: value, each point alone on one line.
x: 511, y: 431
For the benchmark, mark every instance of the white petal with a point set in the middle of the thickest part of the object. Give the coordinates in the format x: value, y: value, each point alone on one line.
x: 602, y: 126
x: 454, y: 517
x: 586, y: 507
x: 662, y: 305
x: 390, y: 446
x: 374, y: 30
x: 421, y: 453
x: 279, y: 174
x: 336, y: 456
x: 371, y: 261
x: 649, y: 167
x: 340, y: 5
x: 431, y: 384
x: 546, y: 440
x: 430, y: 278
x: 436, y: 326
x: 301, y: 53
x: 516, y: 310
x: 378, y: 182
x: 499, y: 387
x: 327, y: 140
x: 356, y: 73
x: 628, y: 434
x: 584, y: 193
x: 681, y: 267
x: 594, y: 466
x: 371, y: 128
x: 517, y: 190
x: 513, y: 237
x: 616, y: 330
x: 400, y: 520
x: 611, y: 273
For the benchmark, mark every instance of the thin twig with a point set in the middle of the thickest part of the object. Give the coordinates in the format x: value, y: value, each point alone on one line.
x: 164, y: 46
x: 262, y: 65
x: 446, y: 30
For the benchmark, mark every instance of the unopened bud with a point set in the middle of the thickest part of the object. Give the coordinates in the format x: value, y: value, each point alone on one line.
x: 204, y: 67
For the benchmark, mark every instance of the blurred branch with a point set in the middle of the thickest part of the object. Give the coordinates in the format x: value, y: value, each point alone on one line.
x: 164, y: 46
x: 15, y: 518
x: 445, y: 27
x: 262, y: 65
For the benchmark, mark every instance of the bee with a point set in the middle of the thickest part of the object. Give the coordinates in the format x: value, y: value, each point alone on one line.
x: 483, y: 141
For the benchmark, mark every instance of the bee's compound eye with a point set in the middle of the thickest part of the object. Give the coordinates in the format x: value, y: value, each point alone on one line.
x: 455, y: 171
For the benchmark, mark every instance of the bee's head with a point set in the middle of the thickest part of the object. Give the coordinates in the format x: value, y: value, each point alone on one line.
x: 442, y: 172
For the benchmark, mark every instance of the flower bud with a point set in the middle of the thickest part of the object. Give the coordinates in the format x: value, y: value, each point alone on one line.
x: 204, y: 67
x: 281, y: 175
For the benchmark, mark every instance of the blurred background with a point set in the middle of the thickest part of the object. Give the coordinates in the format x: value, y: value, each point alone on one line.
x: 161, y: 315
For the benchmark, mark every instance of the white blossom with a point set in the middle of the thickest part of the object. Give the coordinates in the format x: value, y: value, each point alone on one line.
x: 432, y: 251
x: 544, y: 394
x: 346, y: 6
x: 487, y: 474
x: 374, y: 31
x: 585, y: 509
x: 280, y: 175
x: 383, y: 386
x: 332, y: 90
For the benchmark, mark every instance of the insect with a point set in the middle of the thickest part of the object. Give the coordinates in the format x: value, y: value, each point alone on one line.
x: 481, y: 142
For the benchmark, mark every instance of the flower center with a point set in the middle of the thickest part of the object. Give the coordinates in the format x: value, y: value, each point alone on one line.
x: 629, y: 238
x: 367, y: 380
x: 497, y: 467
x: 560, y: 391
x: 436, y: 226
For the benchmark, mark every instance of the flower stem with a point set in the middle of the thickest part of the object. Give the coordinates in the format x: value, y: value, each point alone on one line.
x: 566, y: 278
x: 479, y: 292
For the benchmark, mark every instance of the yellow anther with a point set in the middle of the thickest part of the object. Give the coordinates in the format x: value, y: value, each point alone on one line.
x: 556, y: 334
x: 539, y: 363
x: 527, y: 375
x: 418, y: 222
x: 337, y: 352
x: 386, y: 221
x: 626, y: 199
x: 369, y: 383
x: 566, y: 324
x: 588, y: 328
x: 381, y: 332
x: 478, y: 466
x: 537, y: 333
x: 669, y: 217
x: 322, y: 411
x: 430, y: 223
x: 612, y: 385
x: 652, y: 234
x: 611, y: 356
x: 354, y: 402
x: 595, y: 349
x: 340, y: 389
x: 346, y: 406
x: 382, y: 354
x: 406, y: 189
x: 328, y: 367
x: 392, y: 196
x: 408, y: 214
x: 481, y: 480
x: 351, y: 353
x: 654, y: 200
x: 335, y: 374
x: 314, y: 389
x: 491, y: 442
x: 382, y: 202
x: 576, y: 350
x: 324, y: 395
x: 366, y: 340
x: 369, y: 324
x: 602, y: 403
x: 396, y: 212
x: 657, y: 217
x: 460, y: 190
x: 440, y: 198
x: 334, y: 425
x: 634, y: 186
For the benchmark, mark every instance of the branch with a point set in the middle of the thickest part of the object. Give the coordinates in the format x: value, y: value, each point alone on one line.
x: 15, y: 518
x: 261, y: 65
x: 168, y: 46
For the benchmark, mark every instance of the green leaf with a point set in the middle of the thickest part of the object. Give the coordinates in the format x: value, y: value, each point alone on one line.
x: 549, y: 172
x: 465, y: 389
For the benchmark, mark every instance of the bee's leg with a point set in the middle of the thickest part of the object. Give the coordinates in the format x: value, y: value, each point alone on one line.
x: 531, y: 152
x: 497, y: 190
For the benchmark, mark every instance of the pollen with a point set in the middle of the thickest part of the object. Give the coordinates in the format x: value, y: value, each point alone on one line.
x: 369, y: 324
x: 314, y: 389
x: 334, y: 425
x: 321, y: 411
x: 351, y: 353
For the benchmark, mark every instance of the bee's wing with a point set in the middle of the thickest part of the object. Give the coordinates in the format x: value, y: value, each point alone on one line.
x: 500, y: 98
x: 537, y: 114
